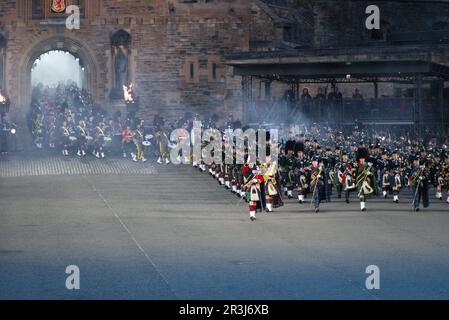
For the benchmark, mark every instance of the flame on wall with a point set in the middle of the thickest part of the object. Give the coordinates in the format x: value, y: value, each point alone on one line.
x: 127, y: 93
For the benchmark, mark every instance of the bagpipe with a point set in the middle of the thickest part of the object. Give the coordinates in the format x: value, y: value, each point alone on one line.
x: 418, y: 176
x: 314, y: 177
x: 365, y: 181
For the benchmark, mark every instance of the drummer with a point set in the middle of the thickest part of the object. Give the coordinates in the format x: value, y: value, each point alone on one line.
x: 100, y: 136
x: 127, y: 141
x: 65, y: 138
x: 81, y: 135
x: 138, y: 138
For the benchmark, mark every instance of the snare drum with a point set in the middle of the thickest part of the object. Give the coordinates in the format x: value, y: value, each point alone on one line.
x: 89, y: 139
x: 73, y: 139
x: 148, y: 137
x: 146, y: 143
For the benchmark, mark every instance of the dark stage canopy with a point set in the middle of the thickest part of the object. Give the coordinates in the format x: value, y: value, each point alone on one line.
x: 412, y: 65
x: 307, y: 67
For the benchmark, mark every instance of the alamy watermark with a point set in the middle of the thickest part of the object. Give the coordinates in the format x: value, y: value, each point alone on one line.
x: 232, y: 147
x: 72, y: 282
x: 73, y: 21
x: 373, y: 20
x: 372, y: 282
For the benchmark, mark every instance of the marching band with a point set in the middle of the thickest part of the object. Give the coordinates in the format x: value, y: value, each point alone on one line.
x: 382, y: 169
x: 314, y: 162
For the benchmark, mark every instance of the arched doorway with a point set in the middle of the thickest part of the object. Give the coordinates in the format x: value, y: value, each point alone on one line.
x: 64, y: 44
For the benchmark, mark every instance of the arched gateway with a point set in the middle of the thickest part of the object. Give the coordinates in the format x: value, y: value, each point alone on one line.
x: 61, y: 43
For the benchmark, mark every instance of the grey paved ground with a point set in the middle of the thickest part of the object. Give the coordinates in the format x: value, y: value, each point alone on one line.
x: 176, y: 234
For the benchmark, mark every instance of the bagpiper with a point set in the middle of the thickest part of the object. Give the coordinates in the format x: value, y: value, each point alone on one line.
x: 346, y: 171
x: 254, y: 189
x: 366, y: 180
x: 419, y: 181
x: 302, y: 172
x: 287, y: 163
x: 318, y: 183
x: 272, y: 190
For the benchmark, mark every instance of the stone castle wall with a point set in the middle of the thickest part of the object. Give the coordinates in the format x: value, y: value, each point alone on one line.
x: 167, y: 37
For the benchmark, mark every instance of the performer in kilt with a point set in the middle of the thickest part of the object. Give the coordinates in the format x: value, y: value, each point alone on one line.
x: 100, y: 134
x: 345, y: 181
x: 287, y: 163
x: 318, y: 183
x: 162, y: 142
x: 64, y: 136
x: 81, y: 134
x: 127, y: 141
x: 254, y: 188
x: 272, y: 190
x: 302, y: 173
x: 138, y: 137
x: 366, y: 179
x: 419, y: 181
x: 442, y: 176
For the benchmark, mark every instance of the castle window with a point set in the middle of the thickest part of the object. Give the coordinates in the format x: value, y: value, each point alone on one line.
x: 192, y: 71
x: 214, y: 71
x: 37, y: 10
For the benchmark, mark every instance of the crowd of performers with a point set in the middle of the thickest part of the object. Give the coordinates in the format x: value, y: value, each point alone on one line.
x: 324, y: 162
x: 315, y: 162
x: 67, y: 120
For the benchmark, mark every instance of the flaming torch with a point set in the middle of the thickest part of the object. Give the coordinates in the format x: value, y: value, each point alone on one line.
x: 132, y: 104
x: 4, y: 103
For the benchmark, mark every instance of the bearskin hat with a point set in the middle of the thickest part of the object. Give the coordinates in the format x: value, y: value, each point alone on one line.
x: 299, y: 146
x: 362, y: 153
x: 290, y: 145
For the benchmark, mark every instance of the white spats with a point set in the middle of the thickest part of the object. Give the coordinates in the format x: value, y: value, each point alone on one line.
x: 252, y: 215
x: 396, y: 199
x: 270, y: 207
x: 384, y: 194
x: 362, y: 206
x: 439, y: 195
x: 300, y: 198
